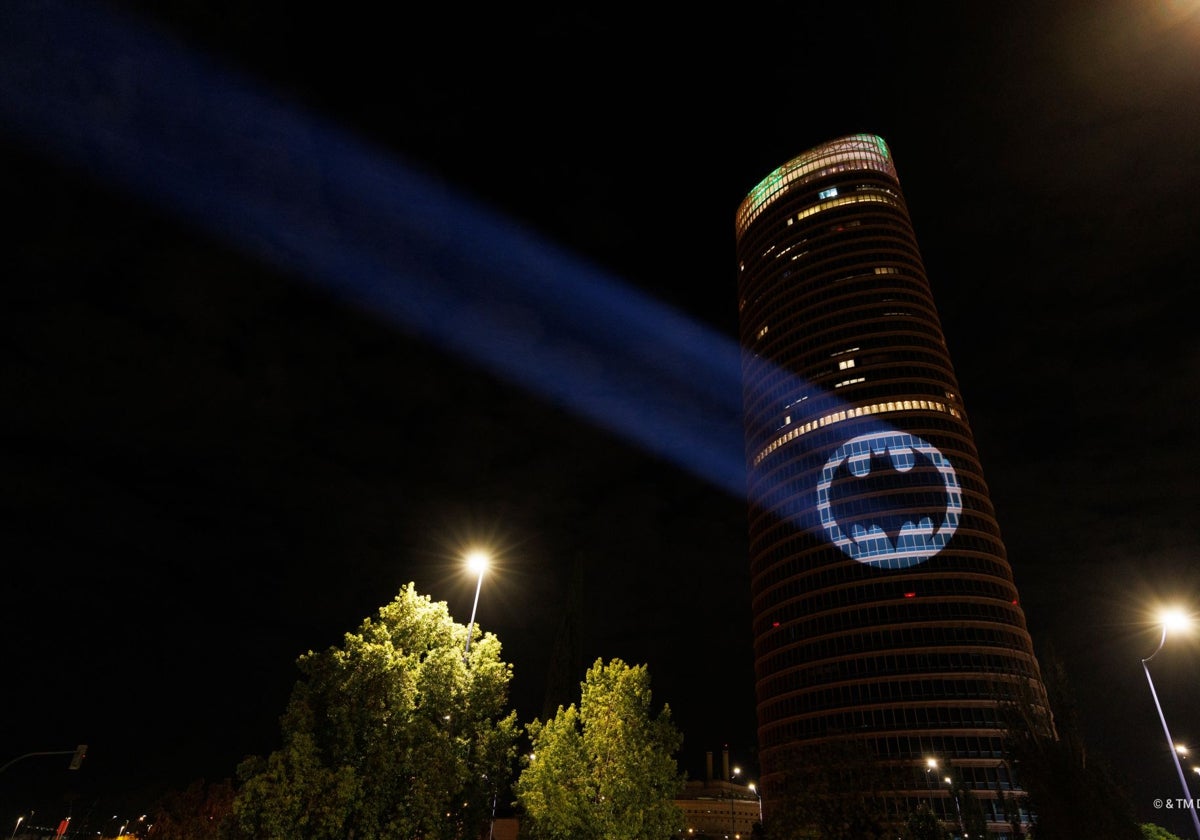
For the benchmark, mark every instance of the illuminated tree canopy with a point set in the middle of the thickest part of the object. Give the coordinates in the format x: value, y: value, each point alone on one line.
x: 394, y: 734
x: 605, y: 769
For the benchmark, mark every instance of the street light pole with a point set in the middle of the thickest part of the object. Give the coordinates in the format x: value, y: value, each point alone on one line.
x: 754, y: 789
x: 20, y: 819
x: 477, y: 562
x: 931, y: 766
x: 736, y: 771
x: 962, y: 829
x: 1168, y: 621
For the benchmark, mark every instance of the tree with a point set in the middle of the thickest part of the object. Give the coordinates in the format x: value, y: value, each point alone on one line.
x: 1156, y: 832
x: 923, y: 824
x: 395, y: 734
x: 970, y: 809
x: 200, y: 812
x: 830, y: 791
x: 607, y: 768
x: 1069, y: 790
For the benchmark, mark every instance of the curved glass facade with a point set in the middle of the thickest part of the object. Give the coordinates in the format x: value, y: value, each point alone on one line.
x: 885, y: 615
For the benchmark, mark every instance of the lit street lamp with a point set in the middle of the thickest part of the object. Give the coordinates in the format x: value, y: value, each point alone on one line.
x: 1171, y: 620
x: 737, y: 771
x: 20, y: 819
x: 957, y: 807
x: 477, y: 561
x: 931, y: 768
x: 754, y: 789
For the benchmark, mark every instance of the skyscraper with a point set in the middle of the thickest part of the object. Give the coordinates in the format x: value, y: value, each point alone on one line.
x: 886, y: 621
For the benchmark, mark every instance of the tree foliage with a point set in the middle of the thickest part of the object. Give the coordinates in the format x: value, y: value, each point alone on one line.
x: 1069, y: 790
x: 605, y: 769
x: 1151, y: 831
x: 394, y: 734
x: 200, y: 812
x: 830, y: 790
x: 923, y: 824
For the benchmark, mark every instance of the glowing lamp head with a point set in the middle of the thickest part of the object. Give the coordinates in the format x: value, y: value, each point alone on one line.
x: 931, y: 763
x: 1174, y: 620
x: 477, y: 562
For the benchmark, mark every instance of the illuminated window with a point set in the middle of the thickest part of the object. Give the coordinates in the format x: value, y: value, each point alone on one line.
x: 829, y: 193
x: 845, y: 363
x: 763, y: 331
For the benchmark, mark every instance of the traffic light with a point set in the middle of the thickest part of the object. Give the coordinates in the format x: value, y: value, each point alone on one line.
x: 77, y: 758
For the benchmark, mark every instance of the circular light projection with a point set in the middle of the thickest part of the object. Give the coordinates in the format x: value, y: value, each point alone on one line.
x: 889, y: 499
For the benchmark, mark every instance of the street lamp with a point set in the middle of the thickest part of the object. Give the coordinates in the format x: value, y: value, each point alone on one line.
x: 957, y: 807
x: 477, y: 561
x: 754, y: 789
x: 931, y: 767
x: 1171, y: 620
x: 20, y: 819
x: 737, y: 771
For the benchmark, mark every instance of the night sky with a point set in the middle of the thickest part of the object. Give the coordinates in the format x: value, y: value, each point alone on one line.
x: 215, y: 462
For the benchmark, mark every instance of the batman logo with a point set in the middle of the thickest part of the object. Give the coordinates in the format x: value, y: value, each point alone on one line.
x: 889, y: 499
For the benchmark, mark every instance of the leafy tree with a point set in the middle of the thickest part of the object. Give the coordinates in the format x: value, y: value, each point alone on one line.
x: 1069, y: 791
x: 200, y: 812
x: 831, y: 791
x: 395, y: 734
x: 1150, y: 831
x: 923, y: 824
x: 607, y: 768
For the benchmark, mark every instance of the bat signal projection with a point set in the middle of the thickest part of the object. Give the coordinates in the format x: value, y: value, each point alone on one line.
x: 889, y: 499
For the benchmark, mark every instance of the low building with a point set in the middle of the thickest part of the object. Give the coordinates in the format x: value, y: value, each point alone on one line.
x: 719, y: 808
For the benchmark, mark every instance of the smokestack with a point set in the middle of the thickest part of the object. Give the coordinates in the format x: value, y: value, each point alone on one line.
x: 725, y: 763
x: 708, y: 767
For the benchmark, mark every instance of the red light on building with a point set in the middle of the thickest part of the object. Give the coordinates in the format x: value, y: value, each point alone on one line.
x: 910, y: 594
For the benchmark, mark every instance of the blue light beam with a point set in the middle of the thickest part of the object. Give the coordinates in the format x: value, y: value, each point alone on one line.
x: 133, y: 107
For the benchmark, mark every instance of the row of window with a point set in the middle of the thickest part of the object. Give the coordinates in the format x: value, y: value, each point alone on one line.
x: 781, y: 496
x: 850, y: 413
x: 856, y: 235
x: 792, y: 598
x: 787, y: 287
x: 867, y: 313
x: 895, y: 664
x: 894, y: 639
x: 810, y: 215
x: 909, y: 611
x: 792, y: 560
x: 974, y: 716
x: 811, y: 700
x: 786, y: 295
x: 778, y: 378
x: 942, y: 428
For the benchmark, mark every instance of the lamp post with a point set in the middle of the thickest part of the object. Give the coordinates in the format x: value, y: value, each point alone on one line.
x: 734, y: 773
x: 754, y: 789
x: 477, y: 561
x: 931, y: 768
x: 20, y: 819
x: 962, y: 829
x: 1171, y: 620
